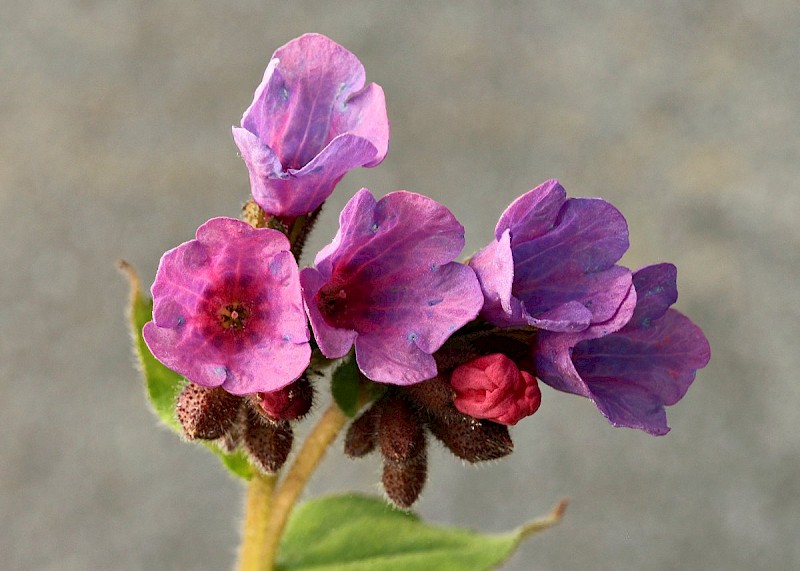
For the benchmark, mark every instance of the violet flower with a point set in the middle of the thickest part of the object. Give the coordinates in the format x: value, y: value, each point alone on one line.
x: 631, y: 375
x: 388, y: 283
x: 227, y: 309
x: 552, y: 265
x: 311, y: 121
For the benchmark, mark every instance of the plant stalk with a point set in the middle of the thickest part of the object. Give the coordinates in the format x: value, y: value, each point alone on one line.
x: 307, y: 460
x: 252, y: 553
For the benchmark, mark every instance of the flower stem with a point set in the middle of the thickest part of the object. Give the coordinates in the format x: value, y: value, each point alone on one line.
x: 307, y: 460
x: 252, y: 553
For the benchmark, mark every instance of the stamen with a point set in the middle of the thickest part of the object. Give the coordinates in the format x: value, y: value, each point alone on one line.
x: 233, y: 316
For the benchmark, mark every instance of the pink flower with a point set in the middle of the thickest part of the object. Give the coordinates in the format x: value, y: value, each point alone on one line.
x: 493, y: 388
x: 311, y: 121
x: 388, y: 284
x: 227, y: 310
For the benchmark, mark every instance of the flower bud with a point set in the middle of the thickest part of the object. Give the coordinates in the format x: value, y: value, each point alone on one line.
x: 493, y: 388
x: 206, y: 413
x: 473, y: 440
x: 403, y: 481
x: 401, y: 435
x: 361, y: 437
x: 234, y: 435
x: 268, y: 443
x: 289, y: 403
x: 434, y: 397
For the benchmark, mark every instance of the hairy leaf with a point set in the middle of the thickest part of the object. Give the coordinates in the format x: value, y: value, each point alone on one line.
x: 162, y: 384
x: 362, y: 533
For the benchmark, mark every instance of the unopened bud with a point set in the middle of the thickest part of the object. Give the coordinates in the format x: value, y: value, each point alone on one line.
x: 473, y: 440
x: 289, y: 403
x: 455, y: 351
x: 206, y: 413
x: 268, y: 443
x: 401, y: 435
x: 232, y: 438
x: 434, y: 396
x: 362, y: 435
x: 494, y: 388
x: 404, y: 481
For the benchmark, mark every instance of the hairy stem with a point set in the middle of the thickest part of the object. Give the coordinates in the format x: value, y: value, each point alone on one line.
x: 253, y: 551
x: 307, y: 460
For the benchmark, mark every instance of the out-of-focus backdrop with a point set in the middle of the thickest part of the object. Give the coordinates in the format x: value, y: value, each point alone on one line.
x: 115, y: 125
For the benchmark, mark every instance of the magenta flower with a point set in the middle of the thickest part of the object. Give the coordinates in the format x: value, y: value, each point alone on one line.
x: 552, y: 265
x: 387, y: 283
x: 493, y: 388
x: 631, y: 375
x: 227, y: 309
x: 311, y: 121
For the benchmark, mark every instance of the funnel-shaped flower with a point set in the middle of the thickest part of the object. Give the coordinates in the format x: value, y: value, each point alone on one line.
x: 311, y: 121
x: 631, y: 375
x: 552, y: 265
x: 227, y: 309
x: 387, y: 283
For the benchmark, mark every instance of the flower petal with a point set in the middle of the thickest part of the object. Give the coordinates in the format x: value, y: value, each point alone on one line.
x: 398, y: 362
x: 494, y: 266
x: 553, y: 350
x: 246, y: 276
x: 295, y: 192
x: 388, y: 278
x: 306, y: 82
x: 425, y: 308
x: 635, y: 373
x: 534, y: 213
x: 562, y: 274
x: 574, y: 262
x: 334, y: 342
x: 402, y: 230
x: 311, y: 120
x: 656, y: 290
x: 631, y: 374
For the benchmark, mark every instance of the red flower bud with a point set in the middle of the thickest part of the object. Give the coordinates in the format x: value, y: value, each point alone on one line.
x: 292, y: 402
x: 493, y: 388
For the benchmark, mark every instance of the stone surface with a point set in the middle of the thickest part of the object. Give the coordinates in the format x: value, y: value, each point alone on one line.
x: 115, y: 120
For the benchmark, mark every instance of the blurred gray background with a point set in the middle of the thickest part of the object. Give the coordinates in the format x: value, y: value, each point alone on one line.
x: 115, y: 125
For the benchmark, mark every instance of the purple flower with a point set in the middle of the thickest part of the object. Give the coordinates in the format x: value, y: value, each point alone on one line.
x: 552, y: 265
x: 631, y: 375
x: 311, y: 121
x: 227, y: 309
x: 387, y: 283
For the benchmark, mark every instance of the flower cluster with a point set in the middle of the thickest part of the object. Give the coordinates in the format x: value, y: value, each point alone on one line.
x: 457, y: 347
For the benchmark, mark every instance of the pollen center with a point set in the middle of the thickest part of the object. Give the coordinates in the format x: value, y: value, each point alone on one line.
x: 233, y: 316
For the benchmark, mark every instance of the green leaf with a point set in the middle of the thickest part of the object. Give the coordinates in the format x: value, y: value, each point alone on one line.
x: 163, y: 384
x: 237, y: 462
x: 345, y: 386
x: 361, y: 533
